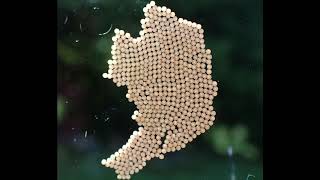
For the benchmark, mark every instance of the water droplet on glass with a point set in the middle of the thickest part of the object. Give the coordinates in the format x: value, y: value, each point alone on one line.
x: 77, y: 41
x: 250, y: 175
x: 65, y: 20
x: 85, y: 135
x: 101, y: 34
x: 96, y: 8
x: 105, y: 120
x: 74, y: 140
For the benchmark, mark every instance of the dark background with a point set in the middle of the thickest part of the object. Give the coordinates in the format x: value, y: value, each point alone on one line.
x: 94, y: 116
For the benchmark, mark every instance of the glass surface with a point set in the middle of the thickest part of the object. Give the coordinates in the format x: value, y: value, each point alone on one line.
x: 94, y: 115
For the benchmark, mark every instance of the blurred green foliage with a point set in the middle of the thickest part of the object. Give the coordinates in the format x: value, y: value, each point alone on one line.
x: 61, y: 109
x: 232, y: 30
x: 236, y: 137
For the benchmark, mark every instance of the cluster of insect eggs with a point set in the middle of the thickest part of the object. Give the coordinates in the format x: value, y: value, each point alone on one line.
x: 168, y: 74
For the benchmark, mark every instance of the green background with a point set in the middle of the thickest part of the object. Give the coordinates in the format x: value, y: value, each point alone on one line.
x: 94, y: 116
